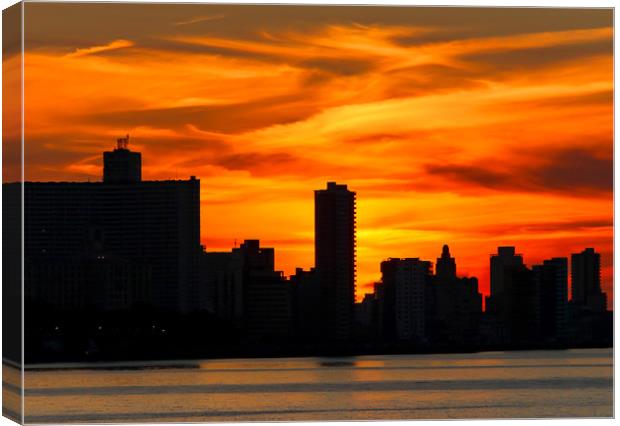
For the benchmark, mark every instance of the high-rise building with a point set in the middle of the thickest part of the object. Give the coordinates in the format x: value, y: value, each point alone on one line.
x: 520, y: 313
x: 244, y: 289
x: 266, y: 294
x: 586, y: 281
x: 505, y: 257
x: 457, y: 303
x: 305, y: 302
x: 445, y: 270
x: 222, y: 286
x: 405, y: 285
x: 334, y: 221
x: 155, y: 224
x: 552, y: 282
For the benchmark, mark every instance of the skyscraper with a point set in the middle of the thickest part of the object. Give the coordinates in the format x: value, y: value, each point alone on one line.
x: 266, y: 294
x: 334, y: 228
x: 520, y: 313
x: 505, y: 257
x: 551, y: 279
x: 406, y: 283
x: 305, y: 300
x: 457, y: 302
x: 586, y: 281
x: 446, y: 266
x: 155, y: 224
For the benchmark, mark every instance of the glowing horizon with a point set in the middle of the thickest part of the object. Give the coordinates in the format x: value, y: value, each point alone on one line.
x: 472, y: 127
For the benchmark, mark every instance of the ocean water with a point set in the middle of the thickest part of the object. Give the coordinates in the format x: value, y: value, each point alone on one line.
x: 520, y: 384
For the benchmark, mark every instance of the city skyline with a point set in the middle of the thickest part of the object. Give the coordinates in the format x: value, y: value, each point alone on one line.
x: 477, y: 136
x: 130, y: 246
x: 335, y: 241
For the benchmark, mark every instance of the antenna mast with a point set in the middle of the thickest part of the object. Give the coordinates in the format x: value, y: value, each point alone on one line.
x: 122, y: 143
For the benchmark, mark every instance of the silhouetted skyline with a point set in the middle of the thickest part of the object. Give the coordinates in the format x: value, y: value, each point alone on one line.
x: 453, y: 133
x: 132, y: 246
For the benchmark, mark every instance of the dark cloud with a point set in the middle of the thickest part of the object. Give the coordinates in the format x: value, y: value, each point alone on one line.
x: 431, y: 78
x: 603, y: 97
x: 183, y: 145
x: 374, y: 138
x: 476, y: 175
x: 576, y: 169
x: 179, y: 46
x: 322, y: 65
x: 460, y: 23
x: 97, y: 23
x: 571, y: 171
x: 539, y: 57
x: 252, y: 160
x: 343, y: 66
x: 544, y: 227
x: 238, y: 117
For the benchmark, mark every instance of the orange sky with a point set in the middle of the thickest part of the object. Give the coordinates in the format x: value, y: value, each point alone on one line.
x: 473, y: 127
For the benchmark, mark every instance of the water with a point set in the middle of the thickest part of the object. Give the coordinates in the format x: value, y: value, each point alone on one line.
x: 573, y: 383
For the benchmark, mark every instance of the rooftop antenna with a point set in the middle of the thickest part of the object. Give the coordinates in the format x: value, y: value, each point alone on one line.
x: 122, y: 143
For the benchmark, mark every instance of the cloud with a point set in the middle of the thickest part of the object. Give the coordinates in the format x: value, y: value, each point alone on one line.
x: 546, y: 227
x: 530, y: 58
x: 469, y: 126
x: 345, y: 67
x: 477, y: 175
x: 575, y: 171
x: 252, y: 160
x: 114, y: 45
x: 199, y: 19
x: 226, y: 118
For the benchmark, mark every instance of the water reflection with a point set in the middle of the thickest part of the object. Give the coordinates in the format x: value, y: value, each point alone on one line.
x: 337, y: 363
x: 498, y: 385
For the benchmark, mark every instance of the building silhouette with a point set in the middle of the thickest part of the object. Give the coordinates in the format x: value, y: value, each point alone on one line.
x: 245, y: 289
x: 305, y: 302
x: 445, y: 269
x: 457, y: 303
x: 126, y: 254
x: 521, y: 308
x: 122, y: 165
x: 222, y: 278
x: 551, y: 280
x: 334, y: 221
x: 125, y: 224
x: 406, y: 286
x: 586, y: 281
x: 367, y: 317
x: 505, y: 257
x: 266, y: 294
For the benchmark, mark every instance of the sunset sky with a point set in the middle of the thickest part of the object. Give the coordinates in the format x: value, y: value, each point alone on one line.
x: 473, y: 127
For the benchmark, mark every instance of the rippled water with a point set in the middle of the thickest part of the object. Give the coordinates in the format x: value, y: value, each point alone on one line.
x: 573, y: 383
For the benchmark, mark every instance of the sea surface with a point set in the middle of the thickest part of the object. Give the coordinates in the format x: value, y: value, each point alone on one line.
x: 520, y: 384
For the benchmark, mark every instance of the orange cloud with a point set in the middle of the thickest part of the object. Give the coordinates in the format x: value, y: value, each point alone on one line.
x: 198, y: 19
x: 114, y: 45
x: 475, y: 137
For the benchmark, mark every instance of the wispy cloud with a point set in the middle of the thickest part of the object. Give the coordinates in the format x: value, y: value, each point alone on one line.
x: 198, y: 19
x: 114, y: 45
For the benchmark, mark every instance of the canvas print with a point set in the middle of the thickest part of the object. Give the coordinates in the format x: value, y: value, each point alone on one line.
x: 226, y: 212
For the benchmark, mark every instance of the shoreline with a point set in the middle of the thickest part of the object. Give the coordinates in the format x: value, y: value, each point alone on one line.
x: 193, y: 362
